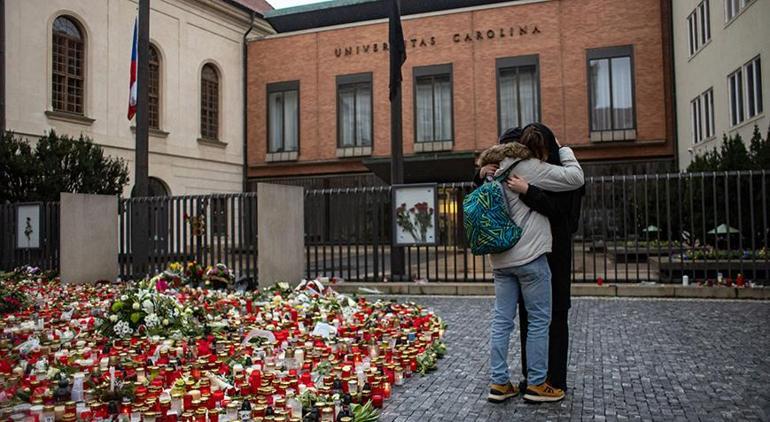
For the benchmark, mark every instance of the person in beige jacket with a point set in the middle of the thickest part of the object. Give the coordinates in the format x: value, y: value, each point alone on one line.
x: 523, y: 269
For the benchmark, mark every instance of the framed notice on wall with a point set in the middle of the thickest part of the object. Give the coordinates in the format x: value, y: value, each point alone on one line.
x: 415, y: 216
x: 28, y: 226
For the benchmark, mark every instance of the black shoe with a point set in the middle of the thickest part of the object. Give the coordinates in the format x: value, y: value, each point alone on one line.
x: 499, y: 393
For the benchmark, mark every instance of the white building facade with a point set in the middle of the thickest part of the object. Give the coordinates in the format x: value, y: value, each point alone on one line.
x: 722, y: 54
x: 67, y: 69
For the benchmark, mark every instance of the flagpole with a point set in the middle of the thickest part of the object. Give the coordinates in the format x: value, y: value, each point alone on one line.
x: 139, y: 230
x: 397, y: 56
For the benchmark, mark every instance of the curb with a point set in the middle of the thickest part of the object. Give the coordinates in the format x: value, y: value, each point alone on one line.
x: 578, y: 289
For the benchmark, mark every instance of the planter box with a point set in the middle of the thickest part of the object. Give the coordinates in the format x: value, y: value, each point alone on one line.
x: 758, y: 271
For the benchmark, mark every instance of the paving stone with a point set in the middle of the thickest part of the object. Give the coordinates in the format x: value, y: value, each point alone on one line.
x: 630, y: 360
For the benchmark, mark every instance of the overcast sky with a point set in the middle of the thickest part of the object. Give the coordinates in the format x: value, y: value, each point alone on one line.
x: 280, y: 4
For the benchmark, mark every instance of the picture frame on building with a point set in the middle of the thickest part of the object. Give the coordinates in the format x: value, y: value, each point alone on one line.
x: 415, y: 214
x: 28, y: 225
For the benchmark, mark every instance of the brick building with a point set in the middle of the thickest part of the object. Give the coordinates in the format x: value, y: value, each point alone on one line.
x: 596, y: 71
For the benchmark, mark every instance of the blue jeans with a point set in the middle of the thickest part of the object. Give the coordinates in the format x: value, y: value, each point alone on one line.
x: 533, y: 280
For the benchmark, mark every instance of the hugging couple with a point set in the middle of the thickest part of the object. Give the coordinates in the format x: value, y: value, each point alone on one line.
x: 543, y: 195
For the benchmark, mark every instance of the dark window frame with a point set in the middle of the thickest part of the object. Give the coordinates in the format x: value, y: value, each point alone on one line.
x: 354, y: 81
x: 285, y: 86
x: 63, y: 44
x: 610, y: 53
x: 505, y: 63
x: 205, y: 85
x: 433, y: 71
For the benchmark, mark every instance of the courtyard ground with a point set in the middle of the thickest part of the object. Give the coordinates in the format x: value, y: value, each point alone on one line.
x: 630, y: 359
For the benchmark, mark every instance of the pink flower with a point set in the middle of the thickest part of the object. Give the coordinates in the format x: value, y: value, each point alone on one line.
x: 161, y: 285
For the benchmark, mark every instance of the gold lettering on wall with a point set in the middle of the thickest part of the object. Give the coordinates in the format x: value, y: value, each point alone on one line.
x: 512, y: 32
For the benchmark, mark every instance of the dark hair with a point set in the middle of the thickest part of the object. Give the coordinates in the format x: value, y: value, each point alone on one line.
x: 510, y: 135
x: 534, y: 139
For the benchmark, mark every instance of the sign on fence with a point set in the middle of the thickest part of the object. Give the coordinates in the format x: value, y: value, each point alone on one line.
x: 415, y: 215
x: 28, y: 226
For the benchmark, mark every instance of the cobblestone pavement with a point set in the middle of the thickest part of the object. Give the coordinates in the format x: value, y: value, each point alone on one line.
x: 657, y: 360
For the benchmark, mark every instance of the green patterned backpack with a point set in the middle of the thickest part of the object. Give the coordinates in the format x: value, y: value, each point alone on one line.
x: 488, y: 225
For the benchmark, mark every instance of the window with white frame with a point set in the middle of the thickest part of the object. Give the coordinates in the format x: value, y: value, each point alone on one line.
x: 753, y: 77
x: 744, y: 87
x: 699, y: 26
x: 733, y: 7
x: 702, y: 116
x: 708, y: 113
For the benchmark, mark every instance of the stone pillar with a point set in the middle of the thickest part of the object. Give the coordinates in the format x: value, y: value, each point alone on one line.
x: 88, y: 238
x: 280, y: 234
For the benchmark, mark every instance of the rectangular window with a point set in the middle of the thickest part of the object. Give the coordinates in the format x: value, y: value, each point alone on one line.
x: 744, y: 87
x: 697, y: 128
x: 699, y: 27
x: 708, y: 113
x: 735, y: 87
x: 611, y: 92
x: 692, y: 20
x: 753, y: 71
x: 518, y: 92
x: 283, y: 117
x: 733, y: 7
x: 705, y: 20
x: 433, y: 103
x: 354, y: 111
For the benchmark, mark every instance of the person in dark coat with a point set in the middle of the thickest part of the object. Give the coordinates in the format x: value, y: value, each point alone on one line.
x: 563, y: 212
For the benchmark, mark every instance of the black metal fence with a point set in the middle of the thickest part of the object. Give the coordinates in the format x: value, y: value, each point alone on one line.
x: 633, y: 228
x: 13, y: 252
x: 208, y: 229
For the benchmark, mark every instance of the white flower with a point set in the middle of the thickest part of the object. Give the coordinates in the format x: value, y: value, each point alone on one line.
x: 122, y: 329
x: 136, y: 306
x: 151, y: 321
x: 113, y: 317
x: 147, y: 306
x: 165, y: 322
x: 124, y: 298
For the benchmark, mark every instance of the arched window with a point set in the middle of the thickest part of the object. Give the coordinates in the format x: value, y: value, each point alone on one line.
x: 68, y: 65
x: 154, y: 89
x: 209, y: 102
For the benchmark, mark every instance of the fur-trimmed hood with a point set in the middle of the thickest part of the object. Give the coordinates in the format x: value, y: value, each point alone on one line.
x: 497, y: 153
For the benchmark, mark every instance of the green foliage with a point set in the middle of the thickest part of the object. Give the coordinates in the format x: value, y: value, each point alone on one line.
x: 57, y: 164
x: 733, y: 155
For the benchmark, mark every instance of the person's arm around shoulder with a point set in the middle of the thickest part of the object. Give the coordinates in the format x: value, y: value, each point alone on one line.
x: 562, y: 178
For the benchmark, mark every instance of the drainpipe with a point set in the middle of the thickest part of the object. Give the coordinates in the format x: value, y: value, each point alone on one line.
x: 2, y: 67
x: 245, y: 104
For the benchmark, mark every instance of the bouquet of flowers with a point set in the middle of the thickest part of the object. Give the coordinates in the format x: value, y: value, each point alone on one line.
x: 416, y: 220
x: 193, y: 273
x: 142, y: 309
x: 12, y: 299
x: 219, y: 277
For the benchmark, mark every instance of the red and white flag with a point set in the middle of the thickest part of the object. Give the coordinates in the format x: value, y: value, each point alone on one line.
x: 132, y: 82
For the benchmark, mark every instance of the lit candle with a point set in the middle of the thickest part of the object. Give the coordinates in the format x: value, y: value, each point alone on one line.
x: 377, y: 401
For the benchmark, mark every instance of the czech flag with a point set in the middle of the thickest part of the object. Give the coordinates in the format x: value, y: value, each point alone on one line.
x: 132, y: 82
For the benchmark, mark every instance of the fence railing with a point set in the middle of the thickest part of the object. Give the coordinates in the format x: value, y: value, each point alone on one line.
x: 208, y: 229
x: 13, y: 253
x: 632, y: 228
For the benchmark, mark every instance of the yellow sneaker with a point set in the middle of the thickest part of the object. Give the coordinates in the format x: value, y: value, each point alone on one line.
x: 499, y: 393
x: 543, y: 393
